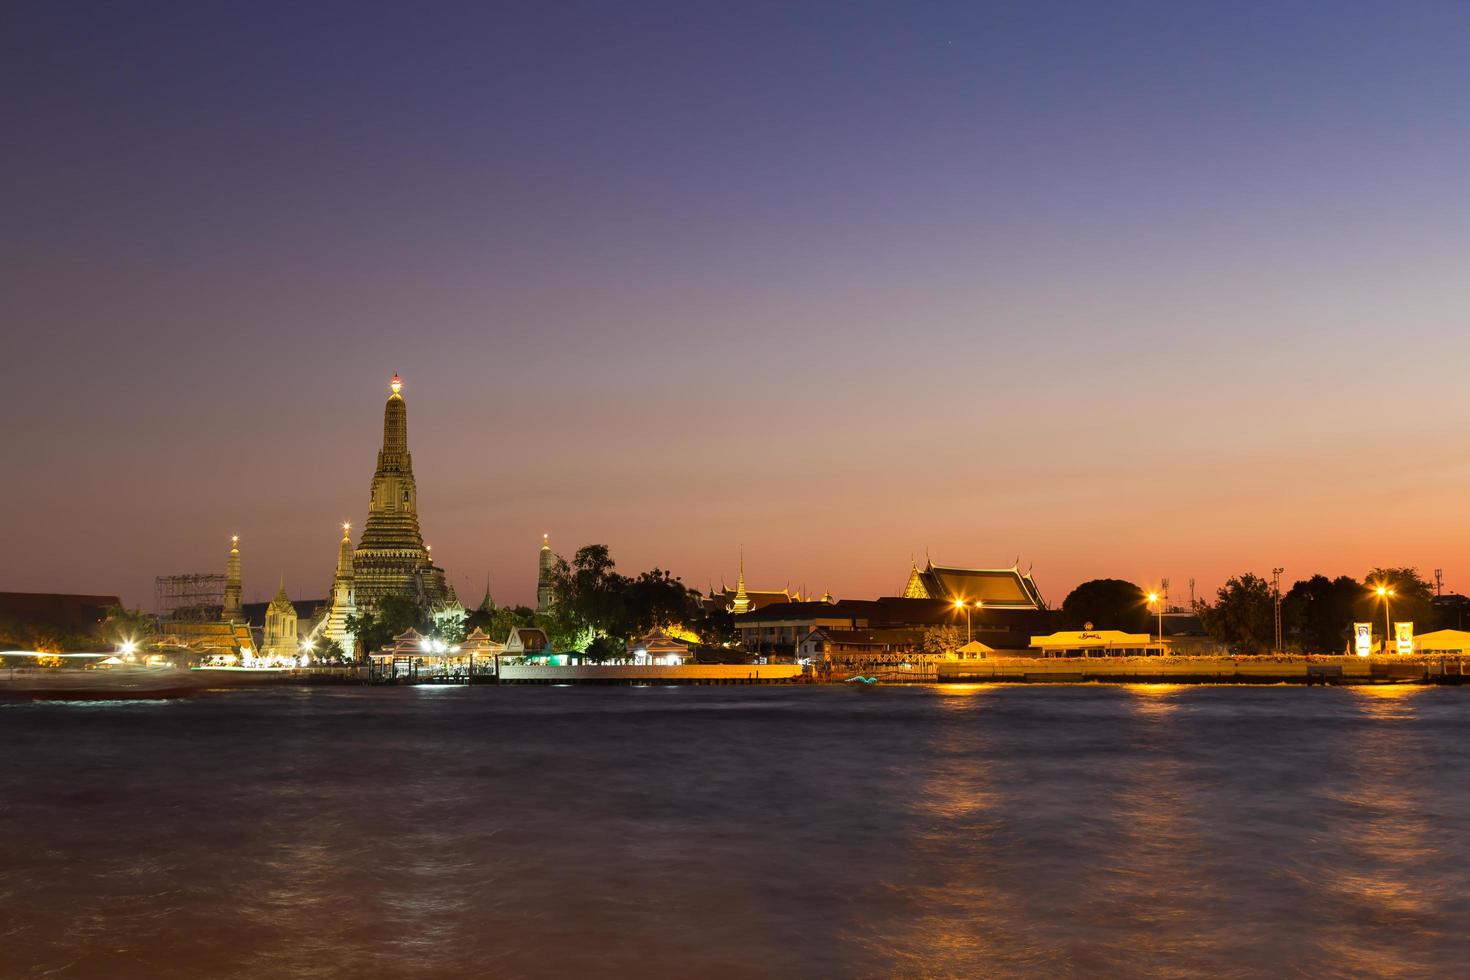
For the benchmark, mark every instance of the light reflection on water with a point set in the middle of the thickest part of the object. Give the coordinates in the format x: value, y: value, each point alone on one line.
x: 975, y: 829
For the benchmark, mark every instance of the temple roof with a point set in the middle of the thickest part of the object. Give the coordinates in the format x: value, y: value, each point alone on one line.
x: 1007, y: 587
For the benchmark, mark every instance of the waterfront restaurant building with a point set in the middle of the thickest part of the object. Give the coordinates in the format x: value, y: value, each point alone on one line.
x: 1097, y: 643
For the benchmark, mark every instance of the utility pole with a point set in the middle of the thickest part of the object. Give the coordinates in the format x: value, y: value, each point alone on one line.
x: 1439, y: 581
x: 1191, y: 593
x: 1276, y: 602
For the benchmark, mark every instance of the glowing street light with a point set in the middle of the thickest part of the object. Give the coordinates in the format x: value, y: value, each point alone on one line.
x: 128, y: 648
x: 962, y: 604
x: 1155, y: 598
x: 1385, y: 593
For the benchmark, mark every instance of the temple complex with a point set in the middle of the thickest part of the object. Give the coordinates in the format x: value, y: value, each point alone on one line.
x: 391, y: 559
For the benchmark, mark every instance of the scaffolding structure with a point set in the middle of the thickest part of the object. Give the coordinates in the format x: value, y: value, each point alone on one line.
x: 183, y: 597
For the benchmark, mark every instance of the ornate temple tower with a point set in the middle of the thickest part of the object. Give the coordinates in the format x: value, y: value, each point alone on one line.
x: 391, y: 559
x: 543, y: 576
x: 280, y: 627
x: 742, y: 598
x: 231, y: 613
x: 344, y: 599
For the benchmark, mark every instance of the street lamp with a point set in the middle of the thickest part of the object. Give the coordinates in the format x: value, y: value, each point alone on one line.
x: 1385, y: 593
x: 1154, y: 597
x: 961, y: 604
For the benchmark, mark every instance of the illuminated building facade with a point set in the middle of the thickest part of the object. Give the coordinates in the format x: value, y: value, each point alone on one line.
x: 281, y: 641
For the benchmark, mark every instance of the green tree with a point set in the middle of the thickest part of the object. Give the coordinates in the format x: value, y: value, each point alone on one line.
x: 940, y: 641
x: 1108, y: 604
x: 591, y: 599
x: 391, y: 616
x: 328, y: 652
x: 604, y: 648
x: 1243, y: 617
x: 127, y: 626
x: 1317, y: 613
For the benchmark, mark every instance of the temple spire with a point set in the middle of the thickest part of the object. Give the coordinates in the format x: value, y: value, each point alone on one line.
x: 742, y: 599
x: 391, y: 559
x: 344, y: 550
x: 545, y: 560
x: 231, y: 610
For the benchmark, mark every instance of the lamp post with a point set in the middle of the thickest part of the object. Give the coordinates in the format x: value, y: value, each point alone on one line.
x: 1154, y: 597
x: 962, y: 604
x: 1385, y: 593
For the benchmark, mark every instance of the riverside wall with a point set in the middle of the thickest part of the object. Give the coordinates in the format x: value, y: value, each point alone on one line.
x: 1284, y: 669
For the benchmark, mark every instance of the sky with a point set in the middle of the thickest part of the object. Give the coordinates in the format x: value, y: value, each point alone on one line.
x: 1136, y: 290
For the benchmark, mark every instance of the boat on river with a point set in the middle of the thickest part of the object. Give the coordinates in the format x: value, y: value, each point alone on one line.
x: 127, y: 681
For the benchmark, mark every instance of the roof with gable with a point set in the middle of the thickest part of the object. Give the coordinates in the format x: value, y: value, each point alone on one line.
x: 1004, y: 587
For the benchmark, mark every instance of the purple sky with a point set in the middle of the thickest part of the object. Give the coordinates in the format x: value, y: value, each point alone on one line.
x: 1171, y: 289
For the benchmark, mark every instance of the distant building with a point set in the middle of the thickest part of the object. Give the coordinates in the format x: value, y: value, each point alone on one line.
x: 778, y: 630
x: 448, y: 613
x: 227, y: 640
x: 741, y: 600
x: 281, y: 640
x: 658, y: 647
x: 527, y: 641
x: 1002, y: 588
x: 828, y: 643
x: 55, y: 612
x: 1452, y: 610
x: 479, y: 644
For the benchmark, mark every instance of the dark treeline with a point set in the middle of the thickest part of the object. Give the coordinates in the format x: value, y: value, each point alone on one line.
x: 1317, y: 613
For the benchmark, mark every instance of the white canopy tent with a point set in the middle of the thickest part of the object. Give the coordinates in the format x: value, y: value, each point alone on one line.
x: 1444, y: 641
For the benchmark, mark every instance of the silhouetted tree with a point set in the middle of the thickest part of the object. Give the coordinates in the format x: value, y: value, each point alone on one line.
x: 1317, y: 613
x: 1242, y: 617
x: 1108, y: 604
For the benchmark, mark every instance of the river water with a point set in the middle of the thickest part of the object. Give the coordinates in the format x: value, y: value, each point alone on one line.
x: 739, y: 832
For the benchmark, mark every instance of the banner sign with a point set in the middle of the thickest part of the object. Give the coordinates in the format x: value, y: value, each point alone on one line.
x: 1363, y: 639
x: 1403, y: 637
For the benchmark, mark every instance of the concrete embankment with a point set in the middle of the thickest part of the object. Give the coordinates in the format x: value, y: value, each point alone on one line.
x: 652, y: 674
x: 1209, y: 670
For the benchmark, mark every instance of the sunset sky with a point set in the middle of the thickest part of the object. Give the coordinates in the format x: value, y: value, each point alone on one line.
x: 1133, y: 290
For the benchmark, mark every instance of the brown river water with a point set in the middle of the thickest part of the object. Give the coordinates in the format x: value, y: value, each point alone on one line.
x: 739, y: 832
